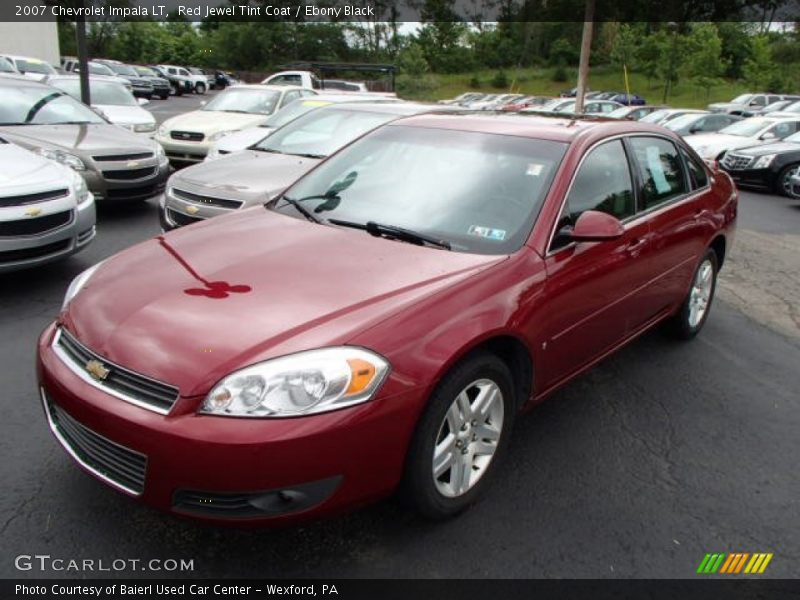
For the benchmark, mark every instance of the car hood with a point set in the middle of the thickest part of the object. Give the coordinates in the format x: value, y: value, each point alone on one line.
x: 78, y: 139
x: 23, y: 172
x: 296, y: 286
x: 249, y: 175
x: 243, y: 139
x: 126, y: 114
x: 776, y: 148
x: 724, y: 105
x: 709, y: 145
x: 212, y: 121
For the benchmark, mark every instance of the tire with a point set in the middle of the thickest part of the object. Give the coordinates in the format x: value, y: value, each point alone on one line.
x: 200, y: 88
x: 691, y: 317
x: 782, y: 185
x: 164, y: 95
x: 174, y: 89
x: 444, y: 424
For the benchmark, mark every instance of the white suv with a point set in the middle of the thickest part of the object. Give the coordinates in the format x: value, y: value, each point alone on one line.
x: 200, y: 81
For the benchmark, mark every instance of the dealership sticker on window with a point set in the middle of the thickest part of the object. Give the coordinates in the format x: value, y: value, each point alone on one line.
x: 488, y: 232
x: 534, y: 169
x: 656, y: 168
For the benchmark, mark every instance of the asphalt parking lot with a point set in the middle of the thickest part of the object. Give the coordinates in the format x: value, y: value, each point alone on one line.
x: 662, y: 453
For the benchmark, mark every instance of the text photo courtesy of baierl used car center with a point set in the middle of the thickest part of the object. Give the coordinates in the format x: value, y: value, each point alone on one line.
x: 362, y: 299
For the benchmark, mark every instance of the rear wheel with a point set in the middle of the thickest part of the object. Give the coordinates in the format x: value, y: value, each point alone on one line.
x: 460, y: 437
x: 784, y: 185
x: 692, y: 315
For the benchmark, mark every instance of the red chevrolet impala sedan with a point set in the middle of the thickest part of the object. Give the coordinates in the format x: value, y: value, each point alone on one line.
x: 380, y: 324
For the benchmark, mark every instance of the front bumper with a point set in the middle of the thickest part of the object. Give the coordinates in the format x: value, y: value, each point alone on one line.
x: 184, y: 151
x: 756, y: 178
x: 32, y: 250
x: 108, y: 189
x: 142, y: 90
x: 332, y: 462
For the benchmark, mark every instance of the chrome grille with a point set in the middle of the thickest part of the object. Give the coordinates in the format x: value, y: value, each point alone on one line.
x: 187, y: 136
x: 736, y: 162
x: 112, y: 462
x: 32, y: 198
x: 207, y: 200
x: 119, y: 382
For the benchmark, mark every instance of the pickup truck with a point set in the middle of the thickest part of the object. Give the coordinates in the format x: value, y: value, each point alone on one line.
x: 308, y: 80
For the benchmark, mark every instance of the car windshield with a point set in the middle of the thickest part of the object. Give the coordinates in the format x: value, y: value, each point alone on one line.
x: 681, y: 122
x: 35, y: 66
x: 655, y: 116
x: 124, y: 70
x: 321, y: 133
x: 743, y: 99
x: 42, y: 106
x: 746, y: 128
x: 293, y: 110
x: 98, y: 69
x: 794, y: 107
x: 145, y: 72
x: 253, y: 101
x: 795, y: 137
x: 102, y: 92
x: 6, y: 66
x: 620, y: 113
x: 478, y: 192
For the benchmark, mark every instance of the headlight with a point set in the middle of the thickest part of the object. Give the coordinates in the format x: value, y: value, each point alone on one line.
x: 144, y: 127
x: 162, y: 131
x: 160, y: 154
x: 218, y: 136
x: 763, y: 161
x: 65, y: 158
x: 80, y: 189
x: 213, y: 153
x: 78, y: 283
x: 301, y: 384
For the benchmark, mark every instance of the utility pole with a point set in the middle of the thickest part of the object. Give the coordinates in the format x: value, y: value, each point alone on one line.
x: 83, y: 59
x: 586, y: 50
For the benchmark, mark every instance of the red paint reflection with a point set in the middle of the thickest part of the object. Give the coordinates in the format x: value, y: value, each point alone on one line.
x: 212, y: 289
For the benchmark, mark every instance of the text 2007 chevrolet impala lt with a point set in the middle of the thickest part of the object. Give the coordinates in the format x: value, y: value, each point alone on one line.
x: 379, y: 324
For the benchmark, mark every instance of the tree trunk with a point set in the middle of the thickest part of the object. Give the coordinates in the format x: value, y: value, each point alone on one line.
x: 586, y: 50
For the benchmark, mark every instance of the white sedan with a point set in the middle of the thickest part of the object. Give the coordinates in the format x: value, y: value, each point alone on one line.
x: 46, y: 211
x: 114, y: 101
x: 187, y: 138
x: 745, y: 133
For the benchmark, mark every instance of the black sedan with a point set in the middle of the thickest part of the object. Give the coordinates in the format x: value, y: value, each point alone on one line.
x: 771, y: 166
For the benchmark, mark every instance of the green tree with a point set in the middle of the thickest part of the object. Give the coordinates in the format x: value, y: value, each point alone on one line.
x: 760, y: 71
x: 625, y: 47
x: 704, y: 63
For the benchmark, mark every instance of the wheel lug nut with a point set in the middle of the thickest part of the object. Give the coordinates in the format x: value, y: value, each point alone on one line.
x: 474, y: 422
x: 459, y: 443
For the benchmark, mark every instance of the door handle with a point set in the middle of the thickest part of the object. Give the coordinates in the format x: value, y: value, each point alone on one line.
x: 635, y: 245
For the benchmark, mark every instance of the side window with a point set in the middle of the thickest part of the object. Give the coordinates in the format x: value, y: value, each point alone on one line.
x: 173, y: 71
x: 781, y: 130
x: 660, y: 169
x: 697, y: 173
x: 603, y: 183
x: 759, y: 101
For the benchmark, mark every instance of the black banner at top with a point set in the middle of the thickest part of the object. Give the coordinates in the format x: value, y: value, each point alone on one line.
x: 474, y: 11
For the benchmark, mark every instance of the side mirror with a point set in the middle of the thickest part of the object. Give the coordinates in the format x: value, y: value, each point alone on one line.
x: 143, y: 101
x: 596, y: 226
x: 769, y: 136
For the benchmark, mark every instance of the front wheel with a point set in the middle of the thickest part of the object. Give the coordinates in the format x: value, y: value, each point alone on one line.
x: 691, y: 317
x: 200, y: 88
x: 785, y: 181
x: 460, y: 437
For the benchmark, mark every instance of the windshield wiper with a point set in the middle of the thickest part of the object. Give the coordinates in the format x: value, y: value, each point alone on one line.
x: 270, y: 150
x: 301, y: 209
x: 307, y: 155
x: 399, y: 233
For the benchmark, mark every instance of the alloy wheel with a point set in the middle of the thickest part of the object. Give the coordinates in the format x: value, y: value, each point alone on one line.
x: 468, y: 438
x: 786, y: 185
x: 700, y: 295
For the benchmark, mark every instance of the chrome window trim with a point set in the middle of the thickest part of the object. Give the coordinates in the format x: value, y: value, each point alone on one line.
x: 68, y: 448
x: 74, y: 367
x: 635, y: 217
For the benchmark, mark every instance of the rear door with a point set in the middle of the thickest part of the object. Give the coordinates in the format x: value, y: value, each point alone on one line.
x: 592, y: 287
x: 673, y: 198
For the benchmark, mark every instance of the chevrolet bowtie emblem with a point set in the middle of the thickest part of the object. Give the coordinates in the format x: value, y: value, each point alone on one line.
x: 132, y: 163
x: 33, y: 212
x: 97, y: 370
x: 192, y: 210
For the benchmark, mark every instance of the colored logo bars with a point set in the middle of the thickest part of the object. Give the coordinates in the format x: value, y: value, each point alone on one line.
x: 734, y: 563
